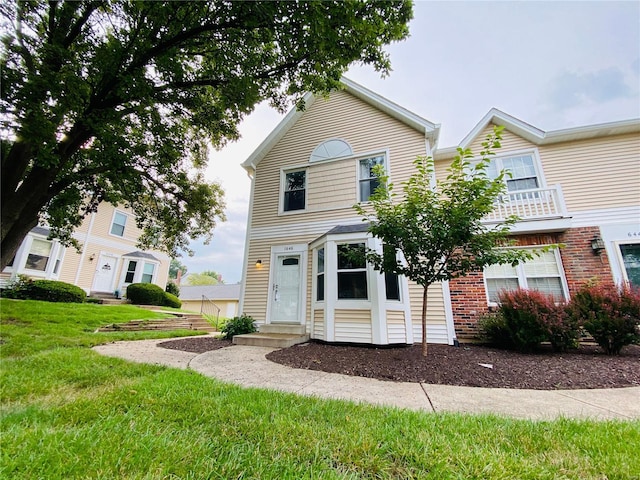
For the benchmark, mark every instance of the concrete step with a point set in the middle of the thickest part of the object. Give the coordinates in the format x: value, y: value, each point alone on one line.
x: 275, y: 340
x: 293, y: 329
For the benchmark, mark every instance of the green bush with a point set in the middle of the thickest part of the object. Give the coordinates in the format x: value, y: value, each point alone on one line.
x: 46, y: 290
x: 172, y: 288
x: 170, y: 300
x: 238, y: 326
x: 150, y: 294
x: 145, y: 294
x: 610, y: 314
x: 493, y: 329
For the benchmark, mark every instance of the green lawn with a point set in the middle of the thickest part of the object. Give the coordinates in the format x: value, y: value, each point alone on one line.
x: 68, y: 413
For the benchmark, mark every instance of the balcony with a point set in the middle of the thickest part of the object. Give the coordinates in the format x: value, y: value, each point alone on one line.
x: 539, y: 210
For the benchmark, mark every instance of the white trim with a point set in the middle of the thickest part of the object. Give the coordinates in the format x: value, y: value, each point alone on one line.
x: 247, y: 237
x: 614, y: 236
x: 605, y: 216
x: 84, y: 248
x: 448, y: 312
x: 540, y: 137
x: 283, y: 183
x: 300, y: 229
x: 333, y: 139
x: 622, y: 276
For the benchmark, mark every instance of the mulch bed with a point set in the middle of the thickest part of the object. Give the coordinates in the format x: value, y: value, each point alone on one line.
x: 196, y: 344
x: 586, y: 367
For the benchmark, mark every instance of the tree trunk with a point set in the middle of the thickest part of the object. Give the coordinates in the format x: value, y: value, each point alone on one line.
x: 424, y: 320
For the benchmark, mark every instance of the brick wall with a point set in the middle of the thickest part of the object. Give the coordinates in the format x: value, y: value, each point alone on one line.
x: 468, y: 295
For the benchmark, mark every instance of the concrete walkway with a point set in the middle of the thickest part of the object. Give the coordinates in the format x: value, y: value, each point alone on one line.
x: 248, y: 367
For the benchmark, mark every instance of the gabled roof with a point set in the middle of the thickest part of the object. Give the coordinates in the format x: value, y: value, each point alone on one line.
x: 540, y: 137
x: 429, y: 129
x: 139, y: 254
x: 212, y: 292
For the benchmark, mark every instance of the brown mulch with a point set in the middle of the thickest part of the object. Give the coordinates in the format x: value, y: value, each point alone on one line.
x: 196, y: 344
x: 586, y: 367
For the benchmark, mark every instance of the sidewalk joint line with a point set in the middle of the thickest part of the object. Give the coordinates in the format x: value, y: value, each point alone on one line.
x: 427, y: 395
x: 594, y: 405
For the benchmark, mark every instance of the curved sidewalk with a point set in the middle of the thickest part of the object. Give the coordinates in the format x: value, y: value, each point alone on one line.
x: 248, y: 367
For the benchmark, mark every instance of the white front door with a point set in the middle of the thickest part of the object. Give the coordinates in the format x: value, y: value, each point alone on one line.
x: 285, y: 295
x: 105, y: 273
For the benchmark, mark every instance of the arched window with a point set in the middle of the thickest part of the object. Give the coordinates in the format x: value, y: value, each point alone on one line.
x: 333, y: 148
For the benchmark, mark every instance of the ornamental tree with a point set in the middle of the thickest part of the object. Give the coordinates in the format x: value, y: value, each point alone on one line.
x: 118, y: 101
x: 437, y: 225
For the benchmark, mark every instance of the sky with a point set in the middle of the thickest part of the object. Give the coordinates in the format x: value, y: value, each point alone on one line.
x: 553, y: 65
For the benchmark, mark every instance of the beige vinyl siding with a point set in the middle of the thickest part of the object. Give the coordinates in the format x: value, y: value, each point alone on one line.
x: 318, y: 324
x: 396, y: 329
x: 436, y: 320
x: 257, y: 286
x: 352, y: 326
x: 510, y: 141
x: 596, y: 173
x: 331, y: 185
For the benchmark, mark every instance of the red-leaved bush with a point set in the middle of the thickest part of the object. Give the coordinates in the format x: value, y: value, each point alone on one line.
x: 531, y: 317
x: 609, y: 313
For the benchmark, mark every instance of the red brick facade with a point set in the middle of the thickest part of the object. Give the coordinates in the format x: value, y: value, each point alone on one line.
x: 468, y: 295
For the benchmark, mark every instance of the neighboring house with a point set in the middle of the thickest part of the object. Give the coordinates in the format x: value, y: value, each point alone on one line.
x: 108, y: 260
x: 577, y: 186
x: 225, y: 299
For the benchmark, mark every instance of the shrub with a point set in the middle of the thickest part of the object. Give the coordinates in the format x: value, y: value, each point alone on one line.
x: 532, y: 317
x: 610, y: 314
x: 493, y: 329
x: 145, y: 294
x: 46, y: 290
x: 238, y: 326
x: 170, y: 300
x: 172, y: 288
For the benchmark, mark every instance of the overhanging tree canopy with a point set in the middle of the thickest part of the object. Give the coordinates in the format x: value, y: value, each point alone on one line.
x: 117, y: 101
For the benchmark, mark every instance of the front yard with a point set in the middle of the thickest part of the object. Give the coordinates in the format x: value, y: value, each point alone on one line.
x: 69, y: 413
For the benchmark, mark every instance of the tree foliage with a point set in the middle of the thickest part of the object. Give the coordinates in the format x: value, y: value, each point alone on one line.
x: 118, y: 101
x: 176, y: 266
x: 437, y: 226
x: 201, y: 279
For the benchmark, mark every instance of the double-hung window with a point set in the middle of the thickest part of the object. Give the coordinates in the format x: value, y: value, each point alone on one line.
x: 522, y: 170
x: 118, y: 224
x: 131, y: 271
x: 352, y: 272
x: 320, y: 275
x: 294, y: 190
x: 542, y: 273
x: 368, y: 180
x: 39, y: 254
x: 147, y: 273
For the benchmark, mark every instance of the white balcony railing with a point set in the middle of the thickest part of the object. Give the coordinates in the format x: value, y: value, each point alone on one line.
x: 539, y: 203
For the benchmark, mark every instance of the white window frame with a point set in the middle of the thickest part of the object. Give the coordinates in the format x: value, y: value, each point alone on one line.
x: 522, y: 277
x: 113, y: 222
x: 620, y: 258
x: 360, y: 179
x: 364, y: 270
x: 283, y: 186
x: 537, y: 165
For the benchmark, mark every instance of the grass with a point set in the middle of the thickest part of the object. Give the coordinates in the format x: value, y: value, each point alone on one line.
x: 68, y: 412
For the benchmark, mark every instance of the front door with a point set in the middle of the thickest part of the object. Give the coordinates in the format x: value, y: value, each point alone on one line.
x: 105, y: 273
x: 285, y: 295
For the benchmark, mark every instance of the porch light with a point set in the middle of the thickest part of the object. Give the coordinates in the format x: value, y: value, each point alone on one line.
x: 597, y: 245
x: 258, y: 263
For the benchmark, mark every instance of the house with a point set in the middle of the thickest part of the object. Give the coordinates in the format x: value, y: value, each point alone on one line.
x: 107, y: 262
x: 579, y: 187
x: 216, y: 300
